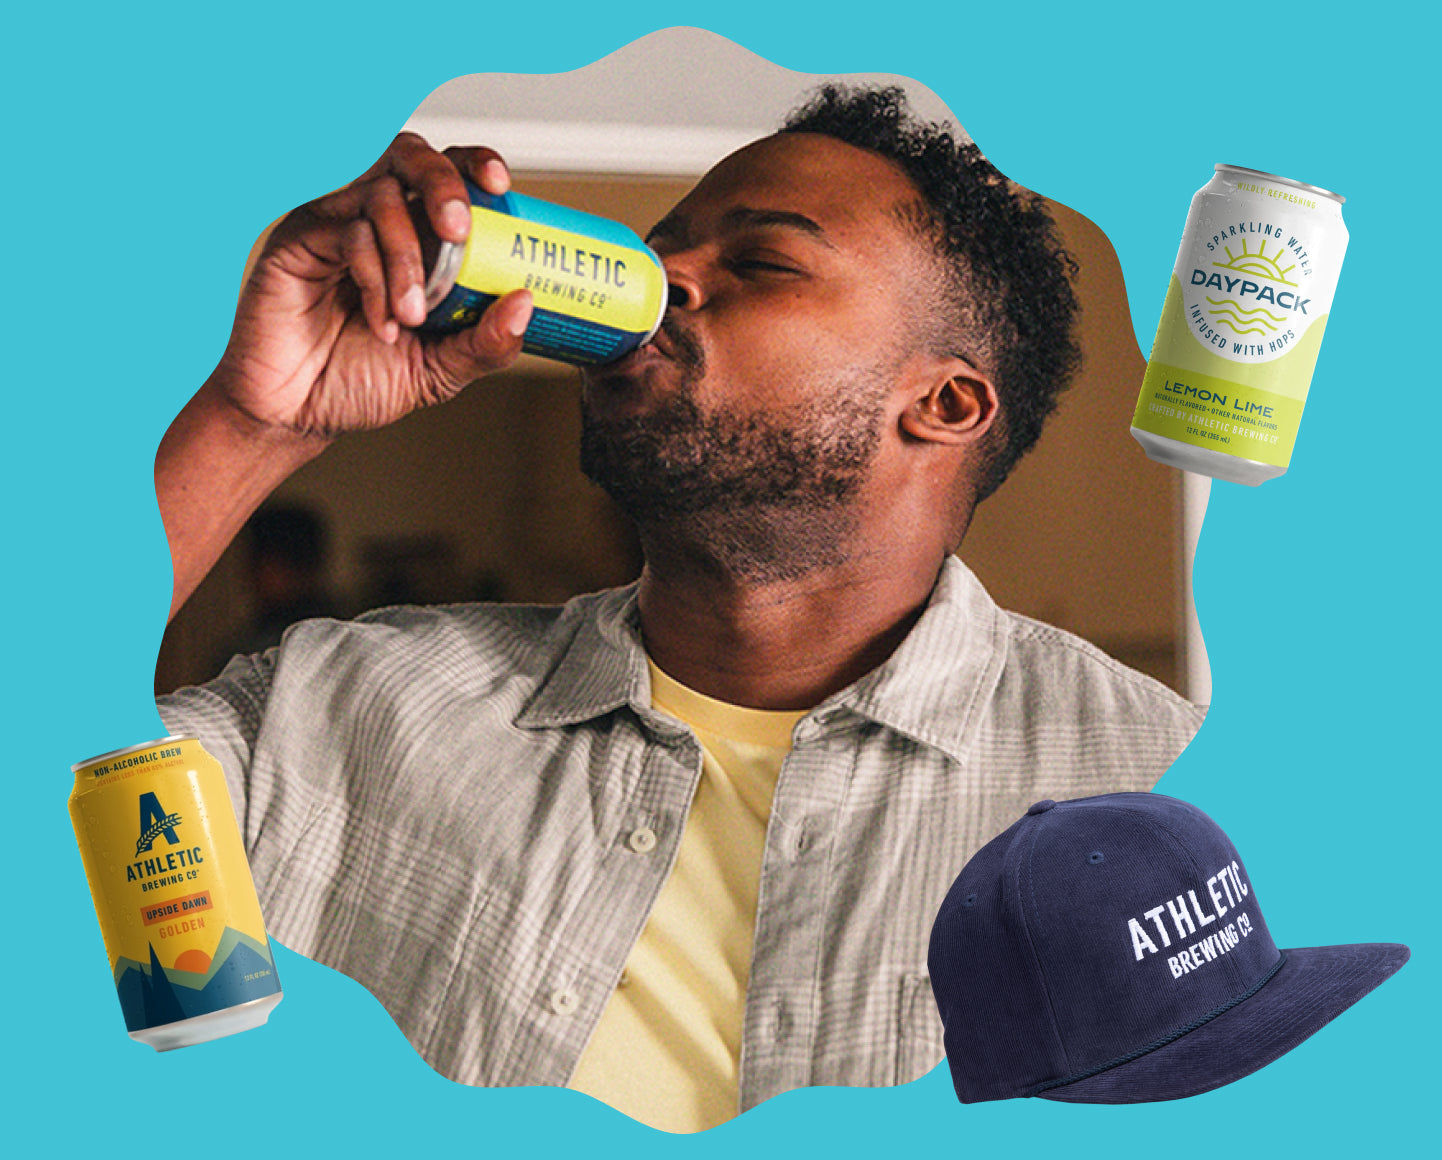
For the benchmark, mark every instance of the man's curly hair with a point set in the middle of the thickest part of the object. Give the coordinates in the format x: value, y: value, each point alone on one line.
x: 1009, y: 306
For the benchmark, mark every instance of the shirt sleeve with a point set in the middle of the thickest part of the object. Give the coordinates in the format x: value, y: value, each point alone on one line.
x: 226, y: 714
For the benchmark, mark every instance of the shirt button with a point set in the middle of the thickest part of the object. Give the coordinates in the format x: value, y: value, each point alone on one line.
x: 565, y: 1001
x: 642, y: 840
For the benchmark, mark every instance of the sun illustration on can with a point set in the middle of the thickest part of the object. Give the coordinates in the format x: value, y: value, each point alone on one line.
x: 1258, y: 264
x: 195, y: 960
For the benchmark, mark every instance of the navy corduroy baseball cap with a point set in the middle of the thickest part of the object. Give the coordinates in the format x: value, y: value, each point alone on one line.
x: 1111, y: 950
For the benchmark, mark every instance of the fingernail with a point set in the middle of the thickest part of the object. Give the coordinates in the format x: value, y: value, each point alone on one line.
x: 390, y: 331
x: 456, y: 218
x: 413, y: 304
x: 518, y: 317
x: 497, y: 176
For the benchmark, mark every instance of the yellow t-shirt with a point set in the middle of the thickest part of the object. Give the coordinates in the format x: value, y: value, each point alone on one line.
x: 667, y: 1050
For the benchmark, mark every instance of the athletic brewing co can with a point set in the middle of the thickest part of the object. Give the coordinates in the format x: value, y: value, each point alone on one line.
x: 599, y: 290
x: 1244, y: 315
x: 173, y: 892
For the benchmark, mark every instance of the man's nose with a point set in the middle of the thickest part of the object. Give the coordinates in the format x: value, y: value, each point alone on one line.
x: 686, y: 288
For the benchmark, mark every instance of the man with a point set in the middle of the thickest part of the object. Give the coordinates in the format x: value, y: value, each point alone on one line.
x: 678, y: 845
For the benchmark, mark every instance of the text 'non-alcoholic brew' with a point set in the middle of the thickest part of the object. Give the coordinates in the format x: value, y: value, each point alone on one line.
x: 173, y: 892
x: 1249, y: 298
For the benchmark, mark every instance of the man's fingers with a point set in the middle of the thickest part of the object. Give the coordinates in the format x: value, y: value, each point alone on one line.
x: 510, y: 315
x: 491, y: 345
x: 412, y: 169
x: 483, y: 166
x: 367, y: 271
x: 400, y: 251
x: 435, y: 178
x: 375, y: 220
x: 422, y: 172
x: 382, y: 164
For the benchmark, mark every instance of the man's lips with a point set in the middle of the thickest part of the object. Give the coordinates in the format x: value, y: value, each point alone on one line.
x: 659, y: 345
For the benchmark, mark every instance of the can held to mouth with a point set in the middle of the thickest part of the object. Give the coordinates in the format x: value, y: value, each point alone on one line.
x: 599, y: 290
x: 1249, y: 298
x: 172, y: 889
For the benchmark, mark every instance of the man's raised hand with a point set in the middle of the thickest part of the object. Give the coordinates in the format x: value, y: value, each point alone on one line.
x: 323, y: 339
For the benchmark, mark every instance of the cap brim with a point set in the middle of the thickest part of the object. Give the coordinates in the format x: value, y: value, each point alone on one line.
x: 1313, y: 987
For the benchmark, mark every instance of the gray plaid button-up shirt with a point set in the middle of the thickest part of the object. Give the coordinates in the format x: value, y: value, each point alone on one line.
x: 439, y: 802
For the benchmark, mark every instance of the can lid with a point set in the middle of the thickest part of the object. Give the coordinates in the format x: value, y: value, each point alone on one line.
x: 79, y: 765
x: 665, y: 294
x: 1337, y: 197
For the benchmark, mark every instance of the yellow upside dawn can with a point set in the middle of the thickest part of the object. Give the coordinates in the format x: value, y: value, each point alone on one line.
x: 173, y: 892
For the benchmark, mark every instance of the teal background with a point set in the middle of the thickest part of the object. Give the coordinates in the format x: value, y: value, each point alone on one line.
x: 148, y: 146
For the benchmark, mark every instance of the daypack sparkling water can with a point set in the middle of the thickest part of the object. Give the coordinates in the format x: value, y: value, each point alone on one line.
x: 1250, y: 296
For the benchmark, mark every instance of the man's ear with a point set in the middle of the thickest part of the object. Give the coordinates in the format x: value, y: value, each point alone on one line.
x: 960, y: 406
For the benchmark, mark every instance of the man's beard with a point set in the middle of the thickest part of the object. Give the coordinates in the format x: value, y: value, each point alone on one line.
x: 763, y: 496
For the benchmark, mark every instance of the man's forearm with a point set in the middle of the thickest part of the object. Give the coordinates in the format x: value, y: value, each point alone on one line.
x: 215, y: 466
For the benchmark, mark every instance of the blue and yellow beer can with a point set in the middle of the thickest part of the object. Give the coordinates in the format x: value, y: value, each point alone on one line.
x: 172, y: 889
x: 599, y: 290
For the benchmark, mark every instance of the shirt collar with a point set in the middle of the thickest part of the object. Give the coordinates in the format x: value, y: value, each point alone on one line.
x: 602, y: 666
x: 936, y: 684
x: 931, y: 689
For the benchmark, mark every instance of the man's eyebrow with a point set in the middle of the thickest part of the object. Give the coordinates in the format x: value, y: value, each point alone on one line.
x: 675, y: 228
x: 785, y: 219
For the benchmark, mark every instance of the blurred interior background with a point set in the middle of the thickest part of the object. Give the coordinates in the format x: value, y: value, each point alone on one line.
x: 482, y: 499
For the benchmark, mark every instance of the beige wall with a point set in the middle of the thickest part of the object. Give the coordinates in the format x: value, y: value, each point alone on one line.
x: 1087, y: 533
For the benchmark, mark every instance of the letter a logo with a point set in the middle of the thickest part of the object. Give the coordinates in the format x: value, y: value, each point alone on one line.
x: 154, y: 821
